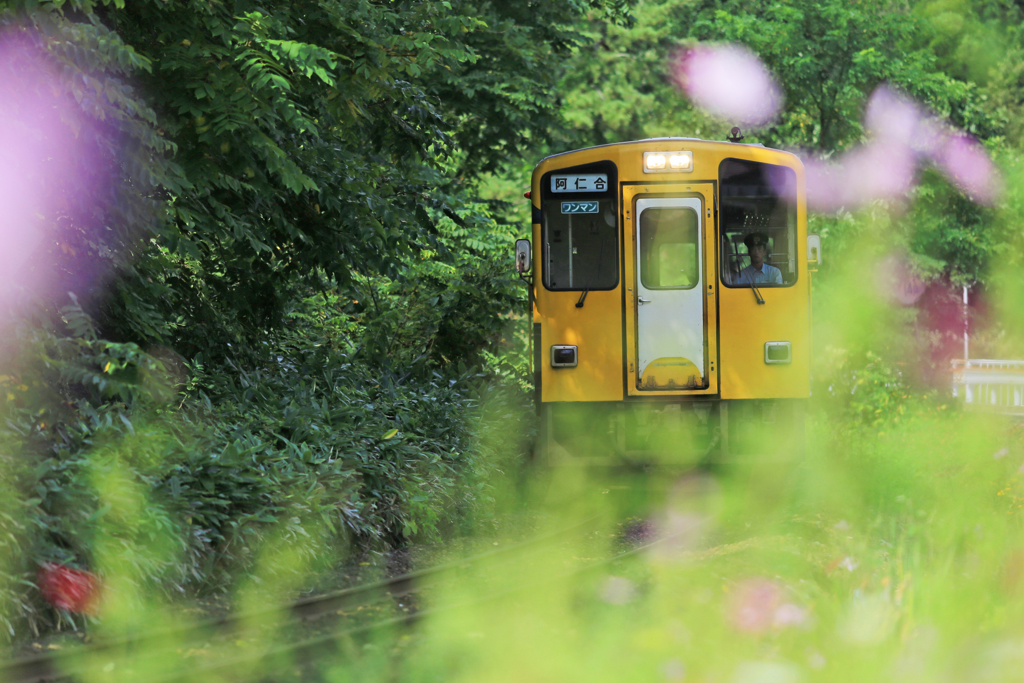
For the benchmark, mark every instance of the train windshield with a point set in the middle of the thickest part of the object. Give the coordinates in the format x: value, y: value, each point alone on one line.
x: 758, y: 224
x: 581, y: 244
x: 668, y: 248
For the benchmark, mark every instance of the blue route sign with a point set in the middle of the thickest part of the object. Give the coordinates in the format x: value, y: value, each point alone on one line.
x: 579, y: 207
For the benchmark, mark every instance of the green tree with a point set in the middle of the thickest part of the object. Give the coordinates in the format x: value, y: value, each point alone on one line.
x: 282, y: 193
x: 828, y: 56
x: 279, y: 142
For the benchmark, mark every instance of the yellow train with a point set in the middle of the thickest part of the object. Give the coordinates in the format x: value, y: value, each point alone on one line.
x: 670, y: 290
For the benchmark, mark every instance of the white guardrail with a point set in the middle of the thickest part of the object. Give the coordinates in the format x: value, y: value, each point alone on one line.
x: 996, y: 385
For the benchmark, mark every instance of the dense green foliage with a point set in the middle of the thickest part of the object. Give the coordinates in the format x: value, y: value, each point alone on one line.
x: 292, y: 298
x: 284, y: 143
x: 307, y: 438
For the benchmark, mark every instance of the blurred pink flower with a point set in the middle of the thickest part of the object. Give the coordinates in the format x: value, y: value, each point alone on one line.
x: 29, y: 151
x: 754, y: 604
x: 729, y: 81
x: 758, y: 606
x: 54, y: 175
x: 897, y: 281
x: 618, y: 590
x: 966, y: 163
x: 23, y: 154
x: 788, y: 615
x: 892, y: 118
x: 673, y: 670
x: 825, y: 185
x: 678, y: 533
x: 902, y: 135
x: 871, y: 172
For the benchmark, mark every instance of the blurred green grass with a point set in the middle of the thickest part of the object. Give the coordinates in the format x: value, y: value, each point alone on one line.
x: 890, y: 555
x: 891, y: 549
x: 887, y: 552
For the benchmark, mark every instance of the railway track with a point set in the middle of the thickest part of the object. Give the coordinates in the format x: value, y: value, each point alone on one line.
x: 314, y: 622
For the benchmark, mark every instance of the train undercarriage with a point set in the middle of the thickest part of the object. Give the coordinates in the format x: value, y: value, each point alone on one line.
x: 671, y: 433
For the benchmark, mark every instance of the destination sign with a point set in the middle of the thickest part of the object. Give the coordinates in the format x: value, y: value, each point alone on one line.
x: 595, y: 182
x: 579, y: 207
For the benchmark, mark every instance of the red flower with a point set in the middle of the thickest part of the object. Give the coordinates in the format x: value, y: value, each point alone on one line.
x: 69, y: 589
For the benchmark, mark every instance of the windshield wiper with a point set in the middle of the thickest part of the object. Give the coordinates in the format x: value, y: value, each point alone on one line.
x: 600, y: 259
x: 757, y: 292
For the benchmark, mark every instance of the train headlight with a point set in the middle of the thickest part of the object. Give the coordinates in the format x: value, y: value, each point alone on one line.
x: 668, y: 162
x: 679, y: 161
x: 654, y: 162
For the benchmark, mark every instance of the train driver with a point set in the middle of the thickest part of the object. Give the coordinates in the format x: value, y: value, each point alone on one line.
x: 758, y: 271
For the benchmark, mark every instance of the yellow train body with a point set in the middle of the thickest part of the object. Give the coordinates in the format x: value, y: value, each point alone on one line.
x: 668, y: 314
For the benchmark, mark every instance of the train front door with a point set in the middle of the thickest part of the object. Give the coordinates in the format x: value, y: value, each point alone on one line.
x: 673, y: 292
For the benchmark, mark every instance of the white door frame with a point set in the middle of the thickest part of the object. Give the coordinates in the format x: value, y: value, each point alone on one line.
x: 671, y: 322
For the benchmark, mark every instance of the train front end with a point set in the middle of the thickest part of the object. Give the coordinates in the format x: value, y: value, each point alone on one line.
x: 671, y: 301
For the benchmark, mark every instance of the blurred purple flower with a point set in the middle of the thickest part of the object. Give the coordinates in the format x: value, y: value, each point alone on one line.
x: 966, y: 163
x: 55, y: 174
x: 729, y: 81
x: 892, y: 118
x: 902, y: 136
x: 874, y: 171
x: 825, y: 185
x: 26, y: 113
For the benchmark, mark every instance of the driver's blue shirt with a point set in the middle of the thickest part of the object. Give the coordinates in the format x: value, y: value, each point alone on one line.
x: 767, y: 274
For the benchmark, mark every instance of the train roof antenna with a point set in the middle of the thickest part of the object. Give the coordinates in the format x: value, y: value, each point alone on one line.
x: 734, y: 135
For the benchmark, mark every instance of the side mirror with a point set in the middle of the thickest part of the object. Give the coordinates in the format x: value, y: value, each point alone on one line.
x: 523, y: 263
x: 814, y: 251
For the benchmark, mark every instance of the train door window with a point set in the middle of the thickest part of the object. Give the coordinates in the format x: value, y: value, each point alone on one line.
x: 669, y: 248
x: 758, y: 211
x: 581, y: 248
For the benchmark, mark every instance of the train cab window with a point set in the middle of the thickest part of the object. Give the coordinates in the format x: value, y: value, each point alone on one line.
x: 581, y: 244
x: 758, y: 206
x: 669, y: 248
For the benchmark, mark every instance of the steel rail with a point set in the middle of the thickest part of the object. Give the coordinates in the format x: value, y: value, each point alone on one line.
x: 310, y: 644
x: 52, y: 667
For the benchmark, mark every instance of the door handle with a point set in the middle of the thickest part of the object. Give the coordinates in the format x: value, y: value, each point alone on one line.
x: 640, y: 300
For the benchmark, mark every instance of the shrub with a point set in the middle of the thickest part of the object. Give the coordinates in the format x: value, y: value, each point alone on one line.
x: 296, y: 438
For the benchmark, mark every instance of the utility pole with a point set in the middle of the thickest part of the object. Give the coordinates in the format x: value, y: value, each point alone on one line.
x: 965, y: 327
